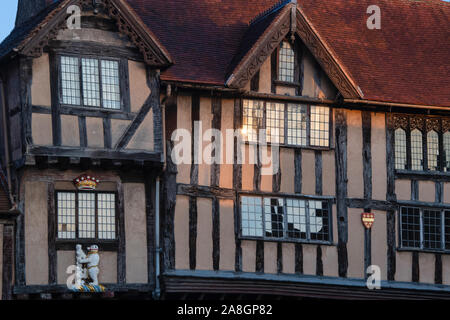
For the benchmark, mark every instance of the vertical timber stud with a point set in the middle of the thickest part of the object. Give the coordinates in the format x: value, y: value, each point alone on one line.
x: 168, y: 218
x: 19, y: 233
x: 216, y: 153
x: 341, y: 190
x: 367, y: 178
x: 276, y: 186
x: 55, y: 90
x: 121, y: 254
x: 438, y: 256
x: 150, y: 221
x: 26, y: 70
x: 237, y: 183
x: 319, y: 191
x: 195, y: 114
x: 8, y: 254
x: 415, y: 255
x: 298, y: 190
x: 390, y: 196
x: 52, y: 257
x: 154, y: 83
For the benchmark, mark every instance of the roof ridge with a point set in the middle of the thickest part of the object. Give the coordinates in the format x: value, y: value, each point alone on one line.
x: 269, y: 11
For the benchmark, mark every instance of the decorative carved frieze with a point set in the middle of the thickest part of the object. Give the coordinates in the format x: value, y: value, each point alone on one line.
x: 399, y: 121
x: 445, y: 125
x: 416, y: 123
x: 433, y: 124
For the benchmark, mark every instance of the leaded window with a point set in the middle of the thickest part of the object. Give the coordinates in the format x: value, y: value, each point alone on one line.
x: 433, y: 150
x: 421, y: 142
x: 286, y: 123
x: 400, y: 149
x: 286, y: 65
x: 286, y: 218
x: 424, y: 228
x: 90, y: 82
x: 86, y: 215
x: 416, y: 150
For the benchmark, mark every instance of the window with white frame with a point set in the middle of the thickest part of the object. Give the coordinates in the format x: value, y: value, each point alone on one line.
x: 286, y: 218
x: 425, y: 228
x: 286, y: 64
x: 90, y: 82
x: 286, y: 123
x: 86, y: 215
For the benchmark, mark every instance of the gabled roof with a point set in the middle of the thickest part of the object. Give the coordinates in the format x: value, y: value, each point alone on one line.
x: 30, y: 37
x: 407, y: 61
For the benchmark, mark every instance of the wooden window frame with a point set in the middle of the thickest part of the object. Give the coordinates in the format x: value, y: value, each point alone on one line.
x: 69, y: 244
x: 308, y: 126
x: 125, y: 106
x: 286, y: 238
x: 275, y: 61
x: 401, y: 247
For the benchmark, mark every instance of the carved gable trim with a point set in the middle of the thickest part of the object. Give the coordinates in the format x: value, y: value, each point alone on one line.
x: 127, y: 21
x: 261, y: 51
x: 273, y: 37
x: 322, y: 53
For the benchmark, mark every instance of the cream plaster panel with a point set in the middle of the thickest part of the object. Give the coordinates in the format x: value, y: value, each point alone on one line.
x: 446, y: 269
x: 379, y: 242
x: 248, y: 256
x: 144, y: 139
x: 270, y: 257
x: 118, y: 128
x: 64, y: 259
x: 184, y: 121
x: 248, y: 167
x: 446, y: 196
x: 139, y: 90
x: 426, y: 267
x: 42, y: 129
x: 378, y: 143
x: 330, y: 261
x: 427, y: 191
x: 309, y: 259
x: 403, y: 189
x: 288, y: 258
x: 308, y: 172
x: 287, y: 165
x: 135, y: 233
x: 354, y: 154
x: 40, y: 87
x: 227, y: 236
x: 36, y: 230
x: 355, y: 244
x: 70, y: 133
x: 328, y: 173
x: 204, y: 169
x: 182, y: 233
x: 403, y: 266
x: 94, y: 130
x: 226, y: 169
x: 204, y: 234
x: 265, y: 77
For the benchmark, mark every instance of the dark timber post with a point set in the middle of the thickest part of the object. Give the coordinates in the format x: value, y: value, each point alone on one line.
x: 341, y: 190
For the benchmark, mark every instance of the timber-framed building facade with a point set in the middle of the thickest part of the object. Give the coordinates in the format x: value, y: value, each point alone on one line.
x: 361, y: 117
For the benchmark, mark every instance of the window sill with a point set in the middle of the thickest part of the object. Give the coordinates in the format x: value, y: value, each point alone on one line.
x: 287, y: 84
x: 401, y: 249
x: 322, y: 243
x: 290, y: 146
x: 422, y: 174
x: 104, y: 245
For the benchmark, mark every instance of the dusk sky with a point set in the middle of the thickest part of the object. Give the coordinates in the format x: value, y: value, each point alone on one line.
x: 7, y: 17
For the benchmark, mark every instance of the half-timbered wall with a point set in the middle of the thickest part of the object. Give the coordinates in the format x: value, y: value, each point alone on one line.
x: 354, y: 173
